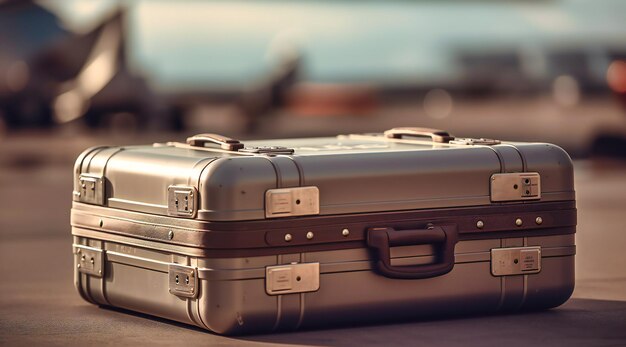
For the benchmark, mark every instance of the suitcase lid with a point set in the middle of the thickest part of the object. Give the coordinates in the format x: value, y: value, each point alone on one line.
x: 288, y: 178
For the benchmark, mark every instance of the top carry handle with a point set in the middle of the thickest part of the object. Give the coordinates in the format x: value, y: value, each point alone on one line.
x: 436, y: 135
x: 225, y: 142
x: 230, y: 145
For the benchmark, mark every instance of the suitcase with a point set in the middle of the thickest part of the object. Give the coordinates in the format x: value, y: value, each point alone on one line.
x: 298, y: 233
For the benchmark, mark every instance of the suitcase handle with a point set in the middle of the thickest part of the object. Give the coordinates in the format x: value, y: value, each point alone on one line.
x: 436, y: 135
x: 445, y: 237
x: 225, y: 142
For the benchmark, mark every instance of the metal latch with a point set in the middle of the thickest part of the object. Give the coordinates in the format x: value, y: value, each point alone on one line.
x: 292, y: 278
x: 269, y: 150
x: 515, y: 186
x: 472, y: 142
x: 182, y: 201
x: 183, y: 280
x: 90, y: 189
x: 298, y: 201
x: 89, y: 260
x: 515, y: 261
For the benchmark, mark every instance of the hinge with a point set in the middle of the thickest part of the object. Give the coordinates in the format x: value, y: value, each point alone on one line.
x: 297, y: 201
x: 515, y: 261
x: 90, y: 189
x: 292, y: 278
x: 515, y: 186
x: 182, y: 201
x: 183, y: 280
x: 89, y: 260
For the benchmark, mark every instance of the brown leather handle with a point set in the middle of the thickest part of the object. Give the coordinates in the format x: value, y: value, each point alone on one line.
x: 443, y: 237
x: 225, y: 142
x: 436, y: 135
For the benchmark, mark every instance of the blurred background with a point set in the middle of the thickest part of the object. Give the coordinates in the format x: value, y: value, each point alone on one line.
x: 550, y: 71
x: 78, y: 73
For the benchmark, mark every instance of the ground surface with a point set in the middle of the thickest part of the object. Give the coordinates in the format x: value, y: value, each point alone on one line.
x: 38, y: 304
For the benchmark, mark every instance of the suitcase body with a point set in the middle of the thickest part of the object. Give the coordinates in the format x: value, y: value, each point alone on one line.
x: 288, y: 234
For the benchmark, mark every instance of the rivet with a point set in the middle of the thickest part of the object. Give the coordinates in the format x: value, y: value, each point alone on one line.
x: 92, y: 261
x: 99, y: 272
x: 519, y: 222
x: 345, y: 232
x: 78, y: 266
x: 82, y: 258
x: 538, y: 220
x: 170, y: 234
x: 84, y: 186
x: 309, y: 235
x: 287, y: 237
x: 480, y: 224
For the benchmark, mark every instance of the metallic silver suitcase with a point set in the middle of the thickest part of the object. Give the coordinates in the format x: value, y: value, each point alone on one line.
x: 296, y: 233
